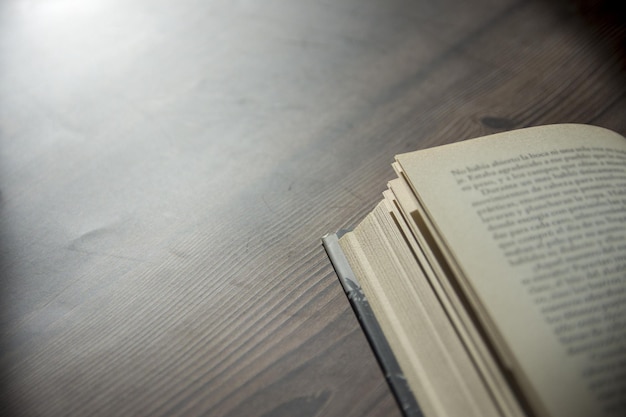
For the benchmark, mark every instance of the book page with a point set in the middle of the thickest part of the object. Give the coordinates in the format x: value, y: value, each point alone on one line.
x: 491, y: 373
x: 434, y: 361
x: 534, y: 224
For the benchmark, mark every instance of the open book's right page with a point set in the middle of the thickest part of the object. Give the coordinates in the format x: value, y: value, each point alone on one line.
x: 533, y: 222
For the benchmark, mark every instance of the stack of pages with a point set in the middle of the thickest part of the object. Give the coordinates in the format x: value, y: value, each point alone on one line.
x: 491, y: 279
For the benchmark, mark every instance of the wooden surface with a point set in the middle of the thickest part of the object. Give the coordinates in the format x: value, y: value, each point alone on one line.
x: 167, y: 169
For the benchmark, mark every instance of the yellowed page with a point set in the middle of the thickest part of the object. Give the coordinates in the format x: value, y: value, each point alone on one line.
x: 477, y: 348
x: 534, y: 225
x: 431, y: 356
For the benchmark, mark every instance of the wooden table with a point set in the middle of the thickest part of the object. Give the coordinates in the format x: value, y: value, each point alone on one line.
x: 167, y: 169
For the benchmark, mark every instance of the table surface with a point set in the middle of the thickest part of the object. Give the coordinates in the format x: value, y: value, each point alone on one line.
x: 167, y: 169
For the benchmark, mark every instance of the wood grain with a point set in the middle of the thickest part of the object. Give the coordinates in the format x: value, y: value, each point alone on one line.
x: 168, y: 168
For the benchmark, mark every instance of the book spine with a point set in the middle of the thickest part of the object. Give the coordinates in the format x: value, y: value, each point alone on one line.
x: 374, y: 334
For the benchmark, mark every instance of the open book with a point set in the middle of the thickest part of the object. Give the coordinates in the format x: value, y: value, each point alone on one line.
x: 496, y: 270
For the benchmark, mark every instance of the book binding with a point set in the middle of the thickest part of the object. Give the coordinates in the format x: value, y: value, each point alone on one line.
x: 374, y: 334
